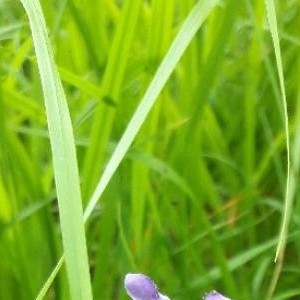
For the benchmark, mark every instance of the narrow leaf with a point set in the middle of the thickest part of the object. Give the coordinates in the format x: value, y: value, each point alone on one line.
x: 185, y: 35
x: 271, y: 13
x: 64, y: 158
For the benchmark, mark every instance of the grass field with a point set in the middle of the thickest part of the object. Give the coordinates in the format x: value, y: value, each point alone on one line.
x: 160, y: 137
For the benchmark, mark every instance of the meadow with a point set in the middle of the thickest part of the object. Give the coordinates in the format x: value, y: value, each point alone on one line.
x: 155, y: 137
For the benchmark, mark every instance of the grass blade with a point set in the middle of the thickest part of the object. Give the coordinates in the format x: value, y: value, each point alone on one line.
x: 290, y: 179
x: 271, y: 13
x: 187, y: 31
x: 50, y: 279
x: 64, y: 158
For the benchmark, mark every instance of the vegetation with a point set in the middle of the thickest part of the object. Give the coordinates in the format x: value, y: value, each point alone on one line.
x: 149, y: 137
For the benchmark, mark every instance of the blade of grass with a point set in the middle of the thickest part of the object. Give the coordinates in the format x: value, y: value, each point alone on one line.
x: 187, y: 31
x: 64, y: 158
x: 49, y: 281
x: 271, y: 15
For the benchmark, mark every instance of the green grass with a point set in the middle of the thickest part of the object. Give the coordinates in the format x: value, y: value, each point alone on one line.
x: 181, y: 114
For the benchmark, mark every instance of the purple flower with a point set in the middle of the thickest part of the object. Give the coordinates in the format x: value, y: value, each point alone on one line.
x: 141, y: 287
x: 214, y: 296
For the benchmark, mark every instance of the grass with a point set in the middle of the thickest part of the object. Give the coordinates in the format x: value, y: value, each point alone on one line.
x: 181, y: 145
x: 64, y: 159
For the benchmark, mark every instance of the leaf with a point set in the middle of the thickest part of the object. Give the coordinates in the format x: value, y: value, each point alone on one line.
x: 64, y: 158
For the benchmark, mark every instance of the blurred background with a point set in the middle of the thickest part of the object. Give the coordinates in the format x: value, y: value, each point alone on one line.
x: 197, y: 202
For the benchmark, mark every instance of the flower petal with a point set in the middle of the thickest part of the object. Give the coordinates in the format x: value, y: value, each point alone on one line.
x: 140, y: 287
x: 214, y: 295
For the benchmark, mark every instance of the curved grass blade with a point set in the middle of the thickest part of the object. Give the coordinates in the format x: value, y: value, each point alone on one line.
x: 271, y: 14
x: 290, y: 177
x: 64, y: 158
x: 186, y: 33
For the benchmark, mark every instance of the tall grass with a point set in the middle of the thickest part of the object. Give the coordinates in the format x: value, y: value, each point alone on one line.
x: 183, y: 137
x: 64, y: 158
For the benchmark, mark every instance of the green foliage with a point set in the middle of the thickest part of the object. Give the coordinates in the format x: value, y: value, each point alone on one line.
x: 63, y: 148
x: 181, y: 131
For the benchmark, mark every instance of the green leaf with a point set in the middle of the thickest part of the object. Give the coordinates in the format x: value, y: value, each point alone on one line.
x: 271, y: 13
x: 64, y: 158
